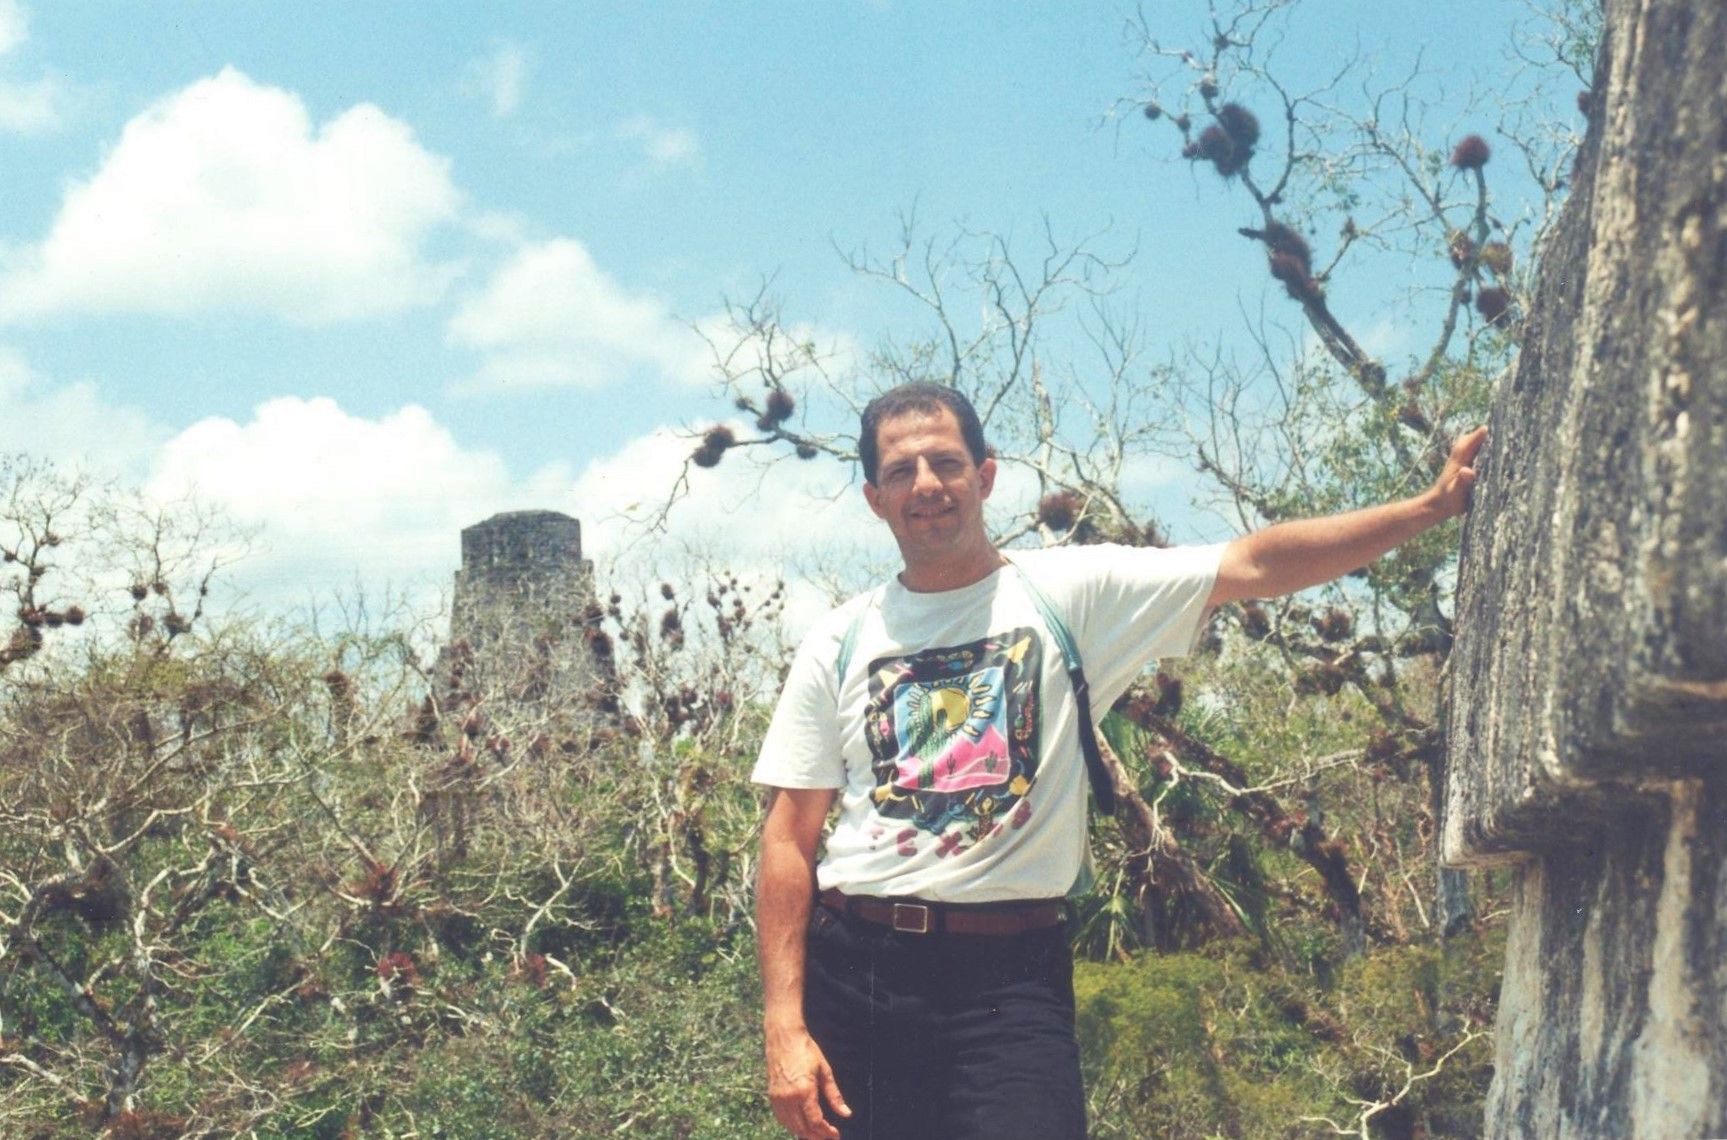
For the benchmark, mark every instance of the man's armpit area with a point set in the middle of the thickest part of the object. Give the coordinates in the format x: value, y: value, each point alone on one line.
x: 798, y: 813
x: 802, y: 798
x: 771, y: 787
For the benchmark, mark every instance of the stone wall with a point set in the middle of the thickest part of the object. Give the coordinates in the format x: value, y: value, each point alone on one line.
x: 1587, y: 707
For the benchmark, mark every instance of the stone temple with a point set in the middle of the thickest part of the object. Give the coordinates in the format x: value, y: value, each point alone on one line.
x: 523, y: 598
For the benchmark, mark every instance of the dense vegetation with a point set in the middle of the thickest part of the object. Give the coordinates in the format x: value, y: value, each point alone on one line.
x: 262, y: 880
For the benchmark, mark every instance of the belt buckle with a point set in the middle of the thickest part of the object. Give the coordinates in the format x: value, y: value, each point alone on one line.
x: 911, y: 918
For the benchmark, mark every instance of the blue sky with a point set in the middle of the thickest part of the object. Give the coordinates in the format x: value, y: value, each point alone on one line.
x: 362, y: 274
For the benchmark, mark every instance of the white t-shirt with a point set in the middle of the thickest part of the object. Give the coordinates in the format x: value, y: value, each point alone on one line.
x: 953, y: 737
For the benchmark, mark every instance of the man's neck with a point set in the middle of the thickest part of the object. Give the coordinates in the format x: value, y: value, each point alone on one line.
x: 951, y: 573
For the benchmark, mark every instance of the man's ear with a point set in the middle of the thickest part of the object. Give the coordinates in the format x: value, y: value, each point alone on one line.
x: 872, y: 496
x: 986, y: 478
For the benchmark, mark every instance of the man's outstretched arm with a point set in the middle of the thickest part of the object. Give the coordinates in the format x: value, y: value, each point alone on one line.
x: 1291, y: 556
x: 799, y: 1077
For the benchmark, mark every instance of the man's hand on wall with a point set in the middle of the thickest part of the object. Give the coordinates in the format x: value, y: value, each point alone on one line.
x: 1450, y: 491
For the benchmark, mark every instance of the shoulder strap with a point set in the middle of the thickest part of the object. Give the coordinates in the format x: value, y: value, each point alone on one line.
x: 848, y: 646
x: 1052, y: 618
x: 1102, y: 788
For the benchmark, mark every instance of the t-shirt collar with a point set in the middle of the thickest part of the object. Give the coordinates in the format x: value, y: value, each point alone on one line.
x: 924, y: 601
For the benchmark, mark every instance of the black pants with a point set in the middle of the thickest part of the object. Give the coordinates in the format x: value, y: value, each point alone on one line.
x: 950, y: 1036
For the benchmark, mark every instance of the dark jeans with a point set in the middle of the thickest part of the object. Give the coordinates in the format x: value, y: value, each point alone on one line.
x: 949, y: 1036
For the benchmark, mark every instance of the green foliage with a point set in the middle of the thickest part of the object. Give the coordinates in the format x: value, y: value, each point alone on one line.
x: 1188, y: 1045
x: 354, y: 927
x: 1226, y: 1043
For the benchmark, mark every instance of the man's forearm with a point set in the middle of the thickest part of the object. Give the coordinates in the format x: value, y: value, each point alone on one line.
x: 800, y: 1080
x: 1291, y: 556
x: 785, y: 889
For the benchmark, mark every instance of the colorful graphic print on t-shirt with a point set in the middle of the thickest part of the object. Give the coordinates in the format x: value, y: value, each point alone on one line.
x: 952, y: 735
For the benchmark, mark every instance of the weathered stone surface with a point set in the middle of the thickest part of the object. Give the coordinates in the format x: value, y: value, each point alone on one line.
x: 522, y: 597
x: 517, y: 555
x: 1587, y: 714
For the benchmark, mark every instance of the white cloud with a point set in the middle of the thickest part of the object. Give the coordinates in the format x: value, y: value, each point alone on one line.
x: 802, y: 521
x: 665, y: 145
x: 500, y: 78
x: 337, y: 499
x: 759, y: 509
x: 551, y: 317
x: 14, y: 25
x: 223, y: 197
x: 26, y: 107
x: 72, y: 424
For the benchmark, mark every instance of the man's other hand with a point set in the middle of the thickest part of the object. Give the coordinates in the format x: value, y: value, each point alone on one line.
x: 1451, y: 490
x: 799, y: 1080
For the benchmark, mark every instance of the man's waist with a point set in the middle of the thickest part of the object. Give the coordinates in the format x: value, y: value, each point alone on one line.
x: 911, y: 915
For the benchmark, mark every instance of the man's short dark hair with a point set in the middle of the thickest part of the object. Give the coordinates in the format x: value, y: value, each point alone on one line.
x: 925, y: 399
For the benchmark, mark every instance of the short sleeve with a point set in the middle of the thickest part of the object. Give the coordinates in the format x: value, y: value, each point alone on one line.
x: 802, y: 748
x: 1142, y: 603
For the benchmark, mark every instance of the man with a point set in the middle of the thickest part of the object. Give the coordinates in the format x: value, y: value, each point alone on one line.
x: 918, y: 983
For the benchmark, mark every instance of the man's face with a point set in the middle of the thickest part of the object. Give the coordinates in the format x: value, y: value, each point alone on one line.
x: 927, y: 489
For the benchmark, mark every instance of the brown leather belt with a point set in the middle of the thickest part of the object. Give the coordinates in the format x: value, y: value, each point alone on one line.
x: 915, y: 916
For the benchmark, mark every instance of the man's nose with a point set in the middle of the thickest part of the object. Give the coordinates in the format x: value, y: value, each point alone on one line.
x: 925, y: 481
